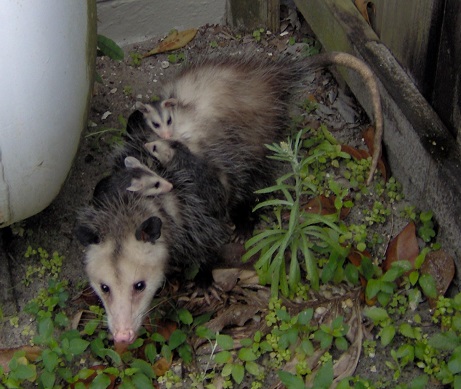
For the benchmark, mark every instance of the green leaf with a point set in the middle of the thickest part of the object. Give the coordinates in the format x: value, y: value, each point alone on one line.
x: 50, y: 360
x: 376, y: 314
x: 91, y: 327
x: 227, y: 370
x: 247, y: 355
x: 141, y: 381
x: 185, y: 316
x: 101, y: 381
x: 454, y: 363
x: 253, y: 368
x: 367, y: 267
x: 407, y: 330
x: 419, y: 382
x: 177, y: 338
x: 110, y: 48
x: 413, y: 277
x: 47, y: 379
x: 78, y: 346
x: 372, y: 288
x: 151, y: 352
x: 324, y: 377
x: 24, y: 372
x: 446, y: 341
x: 46, y: 328
x: 291, y: 381
x: 225, y: 342
x: 428, y: 285
x: 305, y: 317
x: 185, y: 353
x: 238, y: 373
x: 143, y: 367
x: 387, y: 335
x: 341, y: 343
x: 223, y: 357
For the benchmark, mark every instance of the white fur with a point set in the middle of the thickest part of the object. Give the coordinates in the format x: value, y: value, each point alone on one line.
x: 138, y: 261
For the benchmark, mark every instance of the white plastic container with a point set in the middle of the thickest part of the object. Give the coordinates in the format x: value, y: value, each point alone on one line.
x: 46, y: 74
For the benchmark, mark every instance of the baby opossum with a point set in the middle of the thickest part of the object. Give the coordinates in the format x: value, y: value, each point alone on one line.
x: 176, y: 159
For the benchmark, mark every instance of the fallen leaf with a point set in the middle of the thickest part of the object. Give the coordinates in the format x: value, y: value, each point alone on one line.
x: 363, y: 154
x: 441, y: 266
x: 161, y: 366
x: 403, y: 247
x: 325, y: 206
x: 368, y: 137
x: 174, y: 41
x: 364, y: 6
x: 6, y: 354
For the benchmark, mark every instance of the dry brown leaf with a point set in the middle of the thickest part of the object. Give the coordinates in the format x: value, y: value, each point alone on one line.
x: 368, y: 137
x: 325, y: 206
x: 32, y: 353
x: 174, y: 41
x: 441, y: 266
x: 364, y: 6
x: 161, y: 366
x: 226, y: 279
x: 403, y: 247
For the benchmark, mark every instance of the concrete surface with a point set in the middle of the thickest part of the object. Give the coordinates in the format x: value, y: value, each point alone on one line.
x: 131, y: 21
x: 423, y: 155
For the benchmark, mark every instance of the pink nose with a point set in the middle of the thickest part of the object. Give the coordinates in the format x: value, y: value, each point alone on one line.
x: 124, y: 336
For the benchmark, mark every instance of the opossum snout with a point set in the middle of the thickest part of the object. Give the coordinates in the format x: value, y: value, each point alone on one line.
x: 124, y: 336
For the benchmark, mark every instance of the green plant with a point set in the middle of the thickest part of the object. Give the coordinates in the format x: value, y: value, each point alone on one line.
x: 257, y: 34
x: 136, y: 59
x: 305, y: 233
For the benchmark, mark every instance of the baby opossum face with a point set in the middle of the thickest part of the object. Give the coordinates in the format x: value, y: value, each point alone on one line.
x: 160, y: 117
x: 148, y: 183
x: 126, y: 274
x: 161, y: 150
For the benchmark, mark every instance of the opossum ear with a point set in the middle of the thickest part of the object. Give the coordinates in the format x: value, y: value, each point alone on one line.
x: 144, y: 108
x: 132, y: 163
x: 149, y: 230
x: 169, y: 103
x: 86, y: 235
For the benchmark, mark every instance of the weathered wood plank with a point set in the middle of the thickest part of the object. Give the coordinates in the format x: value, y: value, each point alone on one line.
x: 411, y: 29
x: 446, y: 98
x: 250, y: 15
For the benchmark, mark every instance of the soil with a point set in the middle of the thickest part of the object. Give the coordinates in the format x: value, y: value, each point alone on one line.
x: 123, y: 84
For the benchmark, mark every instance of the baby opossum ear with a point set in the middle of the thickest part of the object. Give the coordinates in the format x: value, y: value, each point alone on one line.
x: 169, y: 103
x: 87, y: 235
x: 149, y: 230
x: 132, y: 162
x: 144, y: 108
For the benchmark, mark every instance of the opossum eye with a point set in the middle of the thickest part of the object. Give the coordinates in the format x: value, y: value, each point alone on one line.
x: 156, y: 125
x: 169, y: 121
x: 157, y: 185
x: 139, y: 286
x: 105, y: 288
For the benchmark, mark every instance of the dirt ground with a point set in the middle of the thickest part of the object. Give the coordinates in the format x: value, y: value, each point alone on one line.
x: 114, y: 100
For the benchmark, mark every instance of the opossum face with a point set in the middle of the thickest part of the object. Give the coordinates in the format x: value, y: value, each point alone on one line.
x: 160, y: 150
x: 126, y: 274
x: 149, y: 183
x: 159, y: 117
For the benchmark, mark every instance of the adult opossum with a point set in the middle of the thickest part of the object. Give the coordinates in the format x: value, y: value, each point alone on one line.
x: 133, y: 241
x: 176, y: 158
x: 226, y: 108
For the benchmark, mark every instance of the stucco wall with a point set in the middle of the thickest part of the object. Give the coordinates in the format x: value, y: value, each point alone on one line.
x: 130, y: 21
